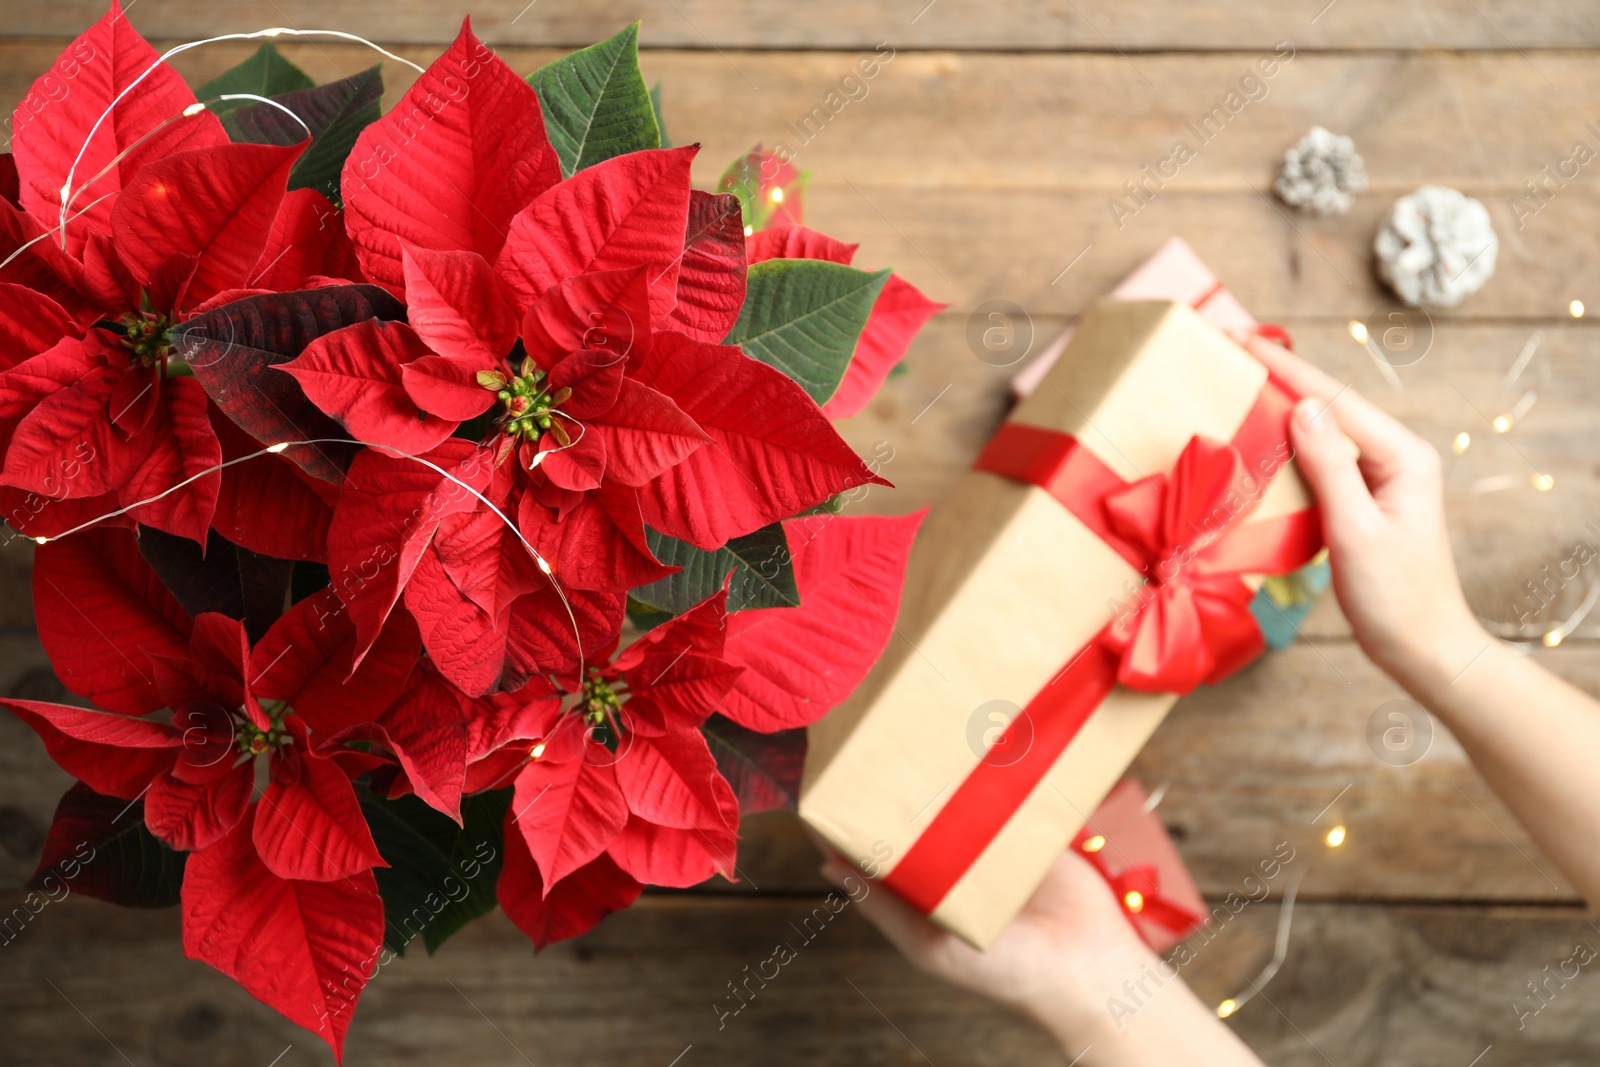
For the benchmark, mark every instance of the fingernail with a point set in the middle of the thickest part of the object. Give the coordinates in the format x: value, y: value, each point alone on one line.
x: 1308, y: 414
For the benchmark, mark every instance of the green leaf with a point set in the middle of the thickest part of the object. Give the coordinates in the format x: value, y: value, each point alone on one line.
x: 440, y: 876
x: 763, y: 572
x: 265, y: 73
x: 655, y: 108
x: 477, y: 855
x: 595, y: 103
x: 98, y: 846
x: 831, y: 506
x: 763, y: 769
x: 643, y: 616
x: 335, y: 113
x: 804, y: 317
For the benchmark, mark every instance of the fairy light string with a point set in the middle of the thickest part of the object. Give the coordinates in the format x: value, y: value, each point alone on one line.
x: 283, y: 446
x: 68, y: 193
x: 68, y: 197
x: 1280, y: 952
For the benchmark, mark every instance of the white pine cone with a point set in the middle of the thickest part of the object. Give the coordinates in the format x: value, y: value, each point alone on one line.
x: 1321, y: 174
x: 1437, y: 247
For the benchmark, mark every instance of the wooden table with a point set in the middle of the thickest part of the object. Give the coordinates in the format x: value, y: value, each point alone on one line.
x: 981, y: 163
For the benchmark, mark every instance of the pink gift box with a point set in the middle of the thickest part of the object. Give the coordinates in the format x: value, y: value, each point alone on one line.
x: 1173, y: 273
x: 1130, y: 837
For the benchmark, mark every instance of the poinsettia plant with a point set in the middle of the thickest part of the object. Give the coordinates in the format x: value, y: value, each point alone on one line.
x: 438, y: 509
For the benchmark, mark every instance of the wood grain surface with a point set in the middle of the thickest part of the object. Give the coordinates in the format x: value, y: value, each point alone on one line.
x: 1005, y: 25
x: 987, y: 162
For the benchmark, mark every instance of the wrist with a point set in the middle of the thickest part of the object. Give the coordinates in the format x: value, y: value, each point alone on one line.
x: 1087, y: 1004
x: 1436, y: 657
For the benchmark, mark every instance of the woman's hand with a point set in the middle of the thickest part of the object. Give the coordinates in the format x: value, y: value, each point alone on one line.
x: 1534, y: 738
x: 1060, y: 960
x: 1381, y: 495
x: 1072, y: 961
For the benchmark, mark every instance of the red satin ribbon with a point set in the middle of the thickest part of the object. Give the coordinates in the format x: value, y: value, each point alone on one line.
x: 1190, y: 625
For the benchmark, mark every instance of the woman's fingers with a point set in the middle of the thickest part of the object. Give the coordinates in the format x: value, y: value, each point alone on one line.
x: 1388, y: 450
x: 1328, y: 461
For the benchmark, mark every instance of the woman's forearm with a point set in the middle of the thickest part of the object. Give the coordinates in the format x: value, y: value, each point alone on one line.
x: 1134, y: 1013
x: 1533, y: 737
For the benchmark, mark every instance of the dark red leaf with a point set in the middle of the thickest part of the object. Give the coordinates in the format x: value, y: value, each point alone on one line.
x: 98, y: 846
x: 764, y: 770
x: 222, y: 577
x: 234, y: 352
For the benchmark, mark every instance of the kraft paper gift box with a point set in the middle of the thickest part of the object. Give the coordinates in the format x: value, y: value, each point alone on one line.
x: 1098, y: 560
x: 1130, y: 847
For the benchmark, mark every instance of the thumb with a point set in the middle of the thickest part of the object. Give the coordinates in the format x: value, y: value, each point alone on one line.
x: 1328, y: 460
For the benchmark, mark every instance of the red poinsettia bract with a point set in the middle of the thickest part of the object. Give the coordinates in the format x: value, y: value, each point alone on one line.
x: 563, y: 335
x: 231, y: 714
x: 530, y: 369
x: 162, y: 217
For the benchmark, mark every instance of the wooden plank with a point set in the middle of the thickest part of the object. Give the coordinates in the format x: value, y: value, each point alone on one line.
x: 1425, y: 986
x: 1054, y: 253
x: 30, y: 784
x: 1074, y: 123
x: 1003, y: 24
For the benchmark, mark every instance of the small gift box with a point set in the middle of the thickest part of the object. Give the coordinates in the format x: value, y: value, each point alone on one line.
x: 1129, y: 846
x: 1174, y: 272
x: 1098, y: 562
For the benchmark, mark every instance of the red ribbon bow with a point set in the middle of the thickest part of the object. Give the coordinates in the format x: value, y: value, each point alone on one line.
x: 1152, y: 906
x: 1190, y: 624
x: 1143, y: 879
